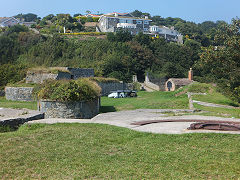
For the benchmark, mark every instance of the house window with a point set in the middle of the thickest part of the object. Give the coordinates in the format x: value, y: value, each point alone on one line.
x: 145, y: 29
x: 129, y: 21
x: 122, y: 21
x: 139, y: 22
x: 146, y: 22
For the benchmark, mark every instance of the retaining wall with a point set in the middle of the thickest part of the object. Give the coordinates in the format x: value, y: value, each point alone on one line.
x: 69, y: 110
x: 2, y: 93
x: 19, y: 93
x: 114, y: 86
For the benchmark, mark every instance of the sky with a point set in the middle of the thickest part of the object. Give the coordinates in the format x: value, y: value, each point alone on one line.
x: 190, y: 10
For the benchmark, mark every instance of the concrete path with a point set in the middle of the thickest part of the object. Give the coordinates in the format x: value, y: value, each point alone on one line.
x: 7, y: 113
x: 126, y: 118
x: 213, y: 105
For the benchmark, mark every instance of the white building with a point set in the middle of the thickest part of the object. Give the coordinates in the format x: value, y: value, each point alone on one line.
x: 8, y: 21
x: 169, y: 34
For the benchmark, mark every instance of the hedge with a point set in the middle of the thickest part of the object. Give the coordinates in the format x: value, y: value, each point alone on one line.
x: 68, y: 90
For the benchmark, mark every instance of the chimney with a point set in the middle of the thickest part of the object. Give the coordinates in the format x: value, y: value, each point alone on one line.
x: 190, y: 74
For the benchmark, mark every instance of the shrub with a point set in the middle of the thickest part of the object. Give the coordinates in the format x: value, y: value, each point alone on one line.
x: 68, y: 90
x: 53, y: 70
x: 103, y: 80
x: 136, y: 86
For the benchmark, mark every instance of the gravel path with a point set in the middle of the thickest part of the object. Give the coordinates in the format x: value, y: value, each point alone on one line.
x: 126, y: 118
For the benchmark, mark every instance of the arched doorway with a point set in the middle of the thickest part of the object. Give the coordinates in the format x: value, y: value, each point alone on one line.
x: 169, y: 85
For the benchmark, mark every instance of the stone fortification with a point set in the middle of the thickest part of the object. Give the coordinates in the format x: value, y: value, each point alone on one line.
x: 107, y: 87
x: 19, y: 93
x: 39, y: 75
x: 69, y: 110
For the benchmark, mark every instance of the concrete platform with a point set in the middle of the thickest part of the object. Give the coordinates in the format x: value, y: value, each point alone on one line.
x: 126, y: 118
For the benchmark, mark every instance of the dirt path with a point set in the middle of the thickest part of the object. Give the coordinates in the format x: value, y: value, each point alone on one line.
x: 213, y: 105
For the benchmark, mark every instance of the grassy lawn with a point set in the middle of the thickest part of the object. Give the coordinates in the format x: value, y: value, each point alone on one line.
x: 90, y: 151
x: 145, y: 100
x: 215, y: 97
x: 222, y: 112
x: 17, y: 104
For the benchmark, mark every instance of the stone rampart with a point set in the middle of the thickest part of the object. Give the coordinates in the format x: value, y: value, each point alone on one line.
x: 79, y: 72
x: 71, y: 73
x: 19, y: 93
x: 69, y: 110
x: 39, y: 77
x: 107, y: 87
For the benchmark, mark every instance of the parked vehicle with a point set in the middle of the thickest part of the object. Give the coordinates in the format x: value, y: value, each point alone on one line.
x: 122, y: 94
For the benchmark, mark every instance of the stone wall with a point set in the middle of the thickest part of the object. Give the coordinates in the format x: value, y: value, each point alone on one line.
x: 37, y: 77
x: 112, y: 86
x: 79, y: 72
x: 152, y: 86
x: 19, y: 93
x: 70, y: 110
x: 74, y: 73
x: 2, y: 93
x: 155, y: 84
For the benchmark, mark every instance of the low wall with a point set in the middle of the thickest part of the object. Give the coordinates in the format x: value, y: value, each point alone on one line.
x: 152, y: 86
x: 2, y: 93
x: 69, y: 110
x: 112, y: 86
x: 19, y: 93
x: 14, y: 122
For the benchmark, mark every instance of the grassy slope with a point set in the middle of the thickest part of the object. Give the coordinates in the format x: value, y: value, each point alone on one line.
x: 88, y: 151
x: 215, y: 97
x: 17, y: 104
x: 146, y: 100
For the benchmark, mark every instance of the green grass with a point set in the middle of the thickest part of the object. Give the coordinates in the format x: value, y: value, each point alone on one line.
x: 222, y: 112
x: 17, y: 104
x: 213, y: 96
x: 90, y: 151
x: 145, y: 100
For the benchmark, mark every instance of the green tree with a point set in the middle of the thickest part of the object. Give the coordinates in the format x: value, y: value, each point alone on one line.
x: 223, y: 62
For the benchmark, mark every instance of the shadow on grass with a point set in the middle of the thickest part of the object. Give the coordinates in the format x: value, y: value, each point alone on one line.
x: 4, y: 129
x: 233, y: 104
x: 105, y: 109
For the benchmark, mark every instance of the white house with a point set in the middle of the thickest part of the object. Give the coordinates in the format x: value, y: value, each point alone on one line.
x: 8, y: 21
x: 168, y: 33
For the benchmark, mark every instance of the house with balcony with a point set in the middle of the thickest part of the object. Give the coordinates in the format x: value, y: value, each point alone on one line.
x: 170, y: 34
x: 8, y: 21
x: 112, y: 22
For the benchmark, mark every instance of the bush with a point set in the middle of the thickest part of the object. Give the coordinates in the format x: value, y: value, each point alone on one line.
x: 68, y: 90
x: 104, y: 80
x: 136, y: 86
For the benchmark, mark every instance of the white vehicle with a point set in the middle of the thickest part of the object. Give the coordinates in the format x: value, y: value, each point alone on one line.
x: 116, y: 95
x: 122, y: 94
